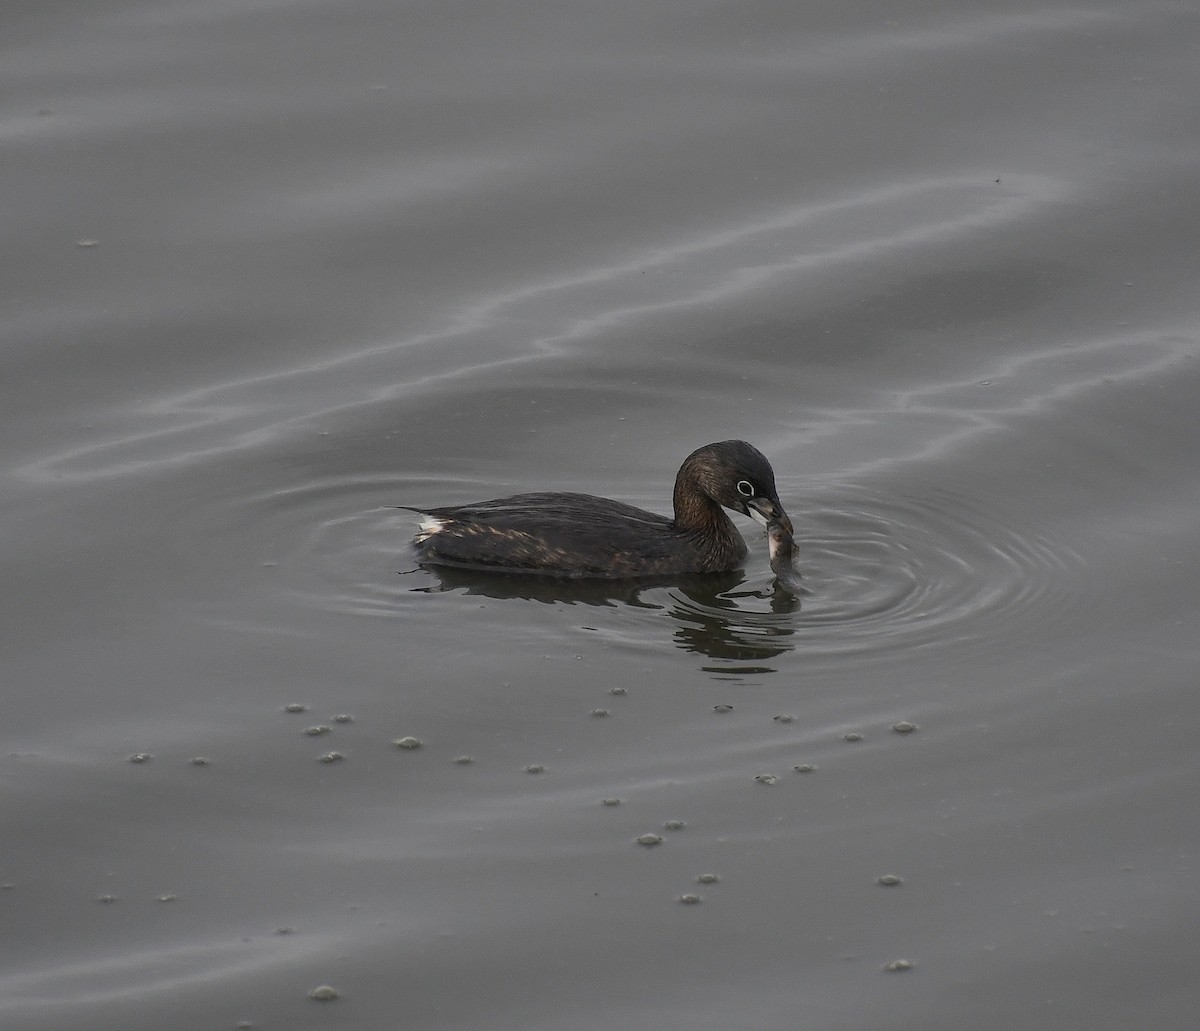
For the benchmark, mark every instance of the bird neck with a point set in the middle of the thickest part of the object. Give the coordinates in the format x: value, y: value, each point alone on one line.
x: 698, y: 515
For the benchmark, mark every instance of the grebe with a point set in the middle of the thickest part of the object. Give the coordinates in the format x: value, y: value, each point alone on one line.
x: 579, y: 535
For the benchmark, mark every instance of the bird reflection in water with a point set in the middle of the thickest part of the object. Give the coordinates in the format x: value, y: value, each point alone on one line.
x: 710, y: 611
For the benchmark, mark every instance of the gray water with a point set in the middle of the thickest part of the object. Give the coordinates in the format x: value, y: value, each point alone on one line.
x: 271, y: 268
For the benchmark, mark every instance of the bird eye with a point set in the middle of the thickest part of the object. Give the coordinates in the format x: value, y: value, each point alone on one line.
x: 745, y: 488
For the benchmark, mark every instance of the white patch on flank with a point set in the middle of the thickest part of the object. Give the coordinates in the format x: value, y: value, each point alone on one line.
x: 429, y: 526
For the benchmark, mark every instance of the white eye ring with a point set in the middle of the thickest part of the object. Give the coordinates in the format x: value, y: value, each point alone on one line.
x: 745, y: 488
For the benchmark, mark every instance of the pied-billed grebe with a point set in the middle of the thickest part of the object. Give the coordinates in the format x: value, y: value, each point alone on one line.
x: 782, y: 550
x: 584, y: 536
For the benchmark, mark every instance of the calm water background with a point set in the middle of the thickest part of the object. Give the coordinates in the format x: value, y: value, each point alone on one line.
x: 271, y: 267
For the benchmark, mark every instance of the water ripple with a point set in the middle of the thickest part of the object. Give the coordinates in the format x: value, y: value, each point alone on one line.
x: 885, y: 572
x: 891, y: 572
x: 550, y: 316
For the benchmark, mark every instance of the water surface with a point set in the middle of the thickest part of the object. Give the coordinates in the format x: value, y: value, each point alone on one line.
x: 273, y: 269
